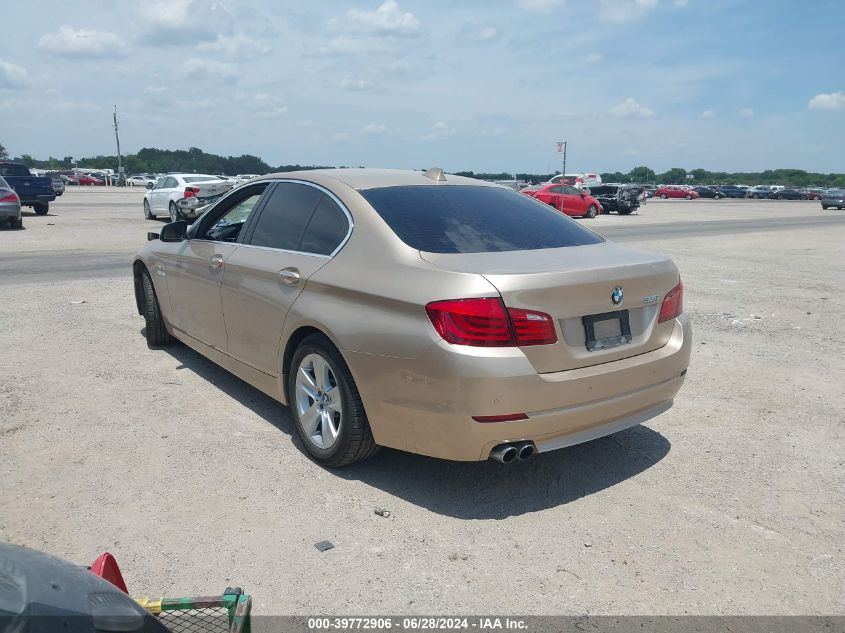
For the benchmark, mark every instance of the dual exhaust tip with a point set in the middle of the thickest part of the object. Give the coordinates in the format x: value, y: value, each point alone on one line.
x: 513, y: 451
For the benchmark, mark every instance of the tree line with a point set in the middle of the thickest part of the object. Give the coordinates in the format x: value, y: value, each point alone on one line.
x: 154, y: 161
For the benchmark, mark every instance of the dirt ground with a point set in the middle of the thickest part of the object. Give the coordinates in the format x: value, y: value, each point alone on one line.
x: 733, y: 502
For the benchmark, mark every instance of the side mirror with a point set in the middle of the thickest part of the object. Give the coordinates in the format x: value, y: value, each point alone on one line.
x: 150, y: 185
x: 174, y: 232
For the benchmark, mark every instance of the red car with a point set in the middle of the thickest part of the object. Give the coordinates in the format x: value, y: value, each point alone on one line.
x: 673, y: 192
x: 89, y: 180
x: 575, y: 202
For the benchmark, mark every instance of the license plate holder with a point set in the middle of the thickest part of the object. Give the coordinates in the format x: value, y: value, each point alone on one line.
x: 607, y: 330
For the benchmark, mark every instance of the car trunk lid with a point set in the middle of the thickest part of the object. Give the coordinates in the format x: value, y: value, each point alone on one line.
x: 574, y: 285
x: 209, y: 190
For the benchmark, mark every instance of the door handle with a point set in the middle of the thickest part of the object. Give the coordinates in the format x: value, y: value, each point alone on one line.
x: 289, y: 276
x: 215, y: 261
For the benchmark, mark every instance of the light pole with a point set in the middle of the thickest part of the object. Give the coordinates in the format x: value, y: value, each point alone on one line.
x: 119, y: 162
x: 561, y: 146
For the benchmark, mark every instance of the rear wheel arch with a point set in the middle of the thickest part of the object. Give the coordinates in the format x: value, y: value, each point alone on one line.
x: 293, y: 342
x: 138, y: 269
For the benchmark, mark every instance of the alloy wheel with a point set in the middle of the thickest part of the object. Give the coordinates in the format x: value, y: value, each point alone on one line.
x: 319, y: 403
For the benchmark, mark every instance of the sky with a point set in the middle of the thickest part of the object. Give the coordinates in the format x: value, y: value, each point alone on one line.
x: 733, y: 85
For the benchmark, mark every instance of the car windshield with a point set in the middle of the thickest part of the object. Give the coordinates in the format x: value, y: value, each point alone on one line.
x: 474, y: 219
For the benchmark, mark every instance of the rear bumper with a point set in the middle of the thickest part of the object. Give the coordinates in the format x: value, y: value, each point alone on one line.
x: 30, y: 200
x: 425, y: 405
x: 10, y: 211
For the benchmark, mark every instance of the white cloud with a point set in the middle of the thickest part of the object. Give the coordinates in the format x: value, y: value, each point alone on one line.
x: 11, y: 76
x: 343, y: 45
x: 680, y: 3
x: 631, y: 108
x: 70, y: 42
x: 183, y: 22
x: 271, y: 113
x: 619, y: 11
x: 355, y: 85
x: 155, y: 90
x: 746, y: 112
x: 340, y: 137
x: 827, y: 101
x: 592, y: 58
x: 441, y: 130
x: 238, y: 47
x: 388, y: 19
x: 708, y: 114
x: 11, y: 104
x: 205, y: 69
x: 488, y: 33
x: 71, y: 105
x: 373, y: 129
x: 541, y: 6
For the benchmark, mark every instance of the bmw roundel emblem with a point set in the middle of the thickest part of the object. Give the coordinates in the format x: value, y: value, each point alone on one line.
x: 616, y: 296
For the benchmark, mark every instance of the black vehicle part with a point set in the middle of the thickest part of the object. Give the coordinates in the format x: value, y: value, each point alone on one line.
x: 39, y: 593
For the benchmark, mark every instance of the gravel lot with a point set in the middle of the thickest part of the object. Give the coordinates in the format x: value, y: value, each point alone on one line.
x: 733, y: 502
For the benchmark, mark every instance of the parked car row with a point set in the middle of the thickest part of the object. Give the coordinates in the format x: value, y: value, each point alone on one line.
x: 770, y: 192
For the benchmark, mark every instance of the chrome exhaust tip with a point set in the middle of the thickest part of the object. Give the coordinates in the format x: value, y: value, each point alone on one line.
x: 504, y: 453
x: 526, y: 452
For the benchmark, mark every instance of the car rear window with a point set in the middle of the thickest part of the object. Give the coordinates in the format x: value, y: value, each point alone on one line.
x: 14, y: 170
x: 470, y: 219
x: 198, y: 178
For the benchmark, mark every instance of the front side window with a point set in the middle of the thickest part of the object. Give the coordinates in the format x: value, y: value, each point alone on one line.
x: 473, y: 219
x: 227, y: 227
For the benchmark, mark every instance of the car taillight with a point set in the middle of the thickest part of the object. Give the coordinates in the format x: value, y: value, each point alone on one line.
x: 12, y: 197
x: 673, y: 303
x: 486, y: 322
x: 191, y: 192
x: 532, y: 328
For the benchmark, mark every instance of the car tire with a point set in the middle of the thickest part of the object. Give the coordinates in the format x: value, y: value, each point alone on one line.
x: 688, y: 197
x: 148, y: 214
x: 174, y: 212
x: 624, y: 211
x: 353, y: 439
x: 41, y: 208
x: 591, y: 211
x: 717, y: 197
x: 16, y: 224
x: 824, y: 207
x: 663, y: 196
x: 156, y: 331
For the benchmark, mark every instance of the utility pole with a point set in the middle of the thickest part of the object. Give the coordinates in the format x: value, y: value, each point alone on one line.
x: 120, y: 178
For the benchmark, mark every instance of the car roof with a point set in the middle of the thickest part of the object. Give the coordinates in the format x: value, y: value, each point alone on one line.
x: 366, y: 178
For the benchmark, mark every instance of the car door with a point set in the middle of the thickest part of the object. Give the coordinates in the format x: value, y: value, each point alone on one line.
x: 158, y: 194
x: 575, y: 203
x: 195, y: 271
x: 552, y: 196
x: 295, y: 233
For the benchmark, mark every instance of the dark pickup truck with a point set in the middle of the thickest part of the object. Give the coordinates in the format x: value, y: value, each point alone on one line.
x: 36, y: 192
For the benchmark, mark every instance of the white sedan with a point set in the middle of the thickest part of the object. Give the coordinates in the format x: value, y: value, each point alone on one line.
x: 139, y: 181
x: 183, y: 196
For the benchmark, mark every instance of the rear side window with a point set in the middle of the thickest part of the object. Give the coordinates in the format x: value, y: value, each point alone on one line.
x: 469, y: 219
x: 283, y: 219
x: 326, y: 230
x: 14, y: 170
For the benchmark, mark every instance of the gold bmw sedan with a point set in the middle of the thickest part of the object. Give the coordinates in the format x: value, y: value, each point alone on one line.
x: 421, y: 311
